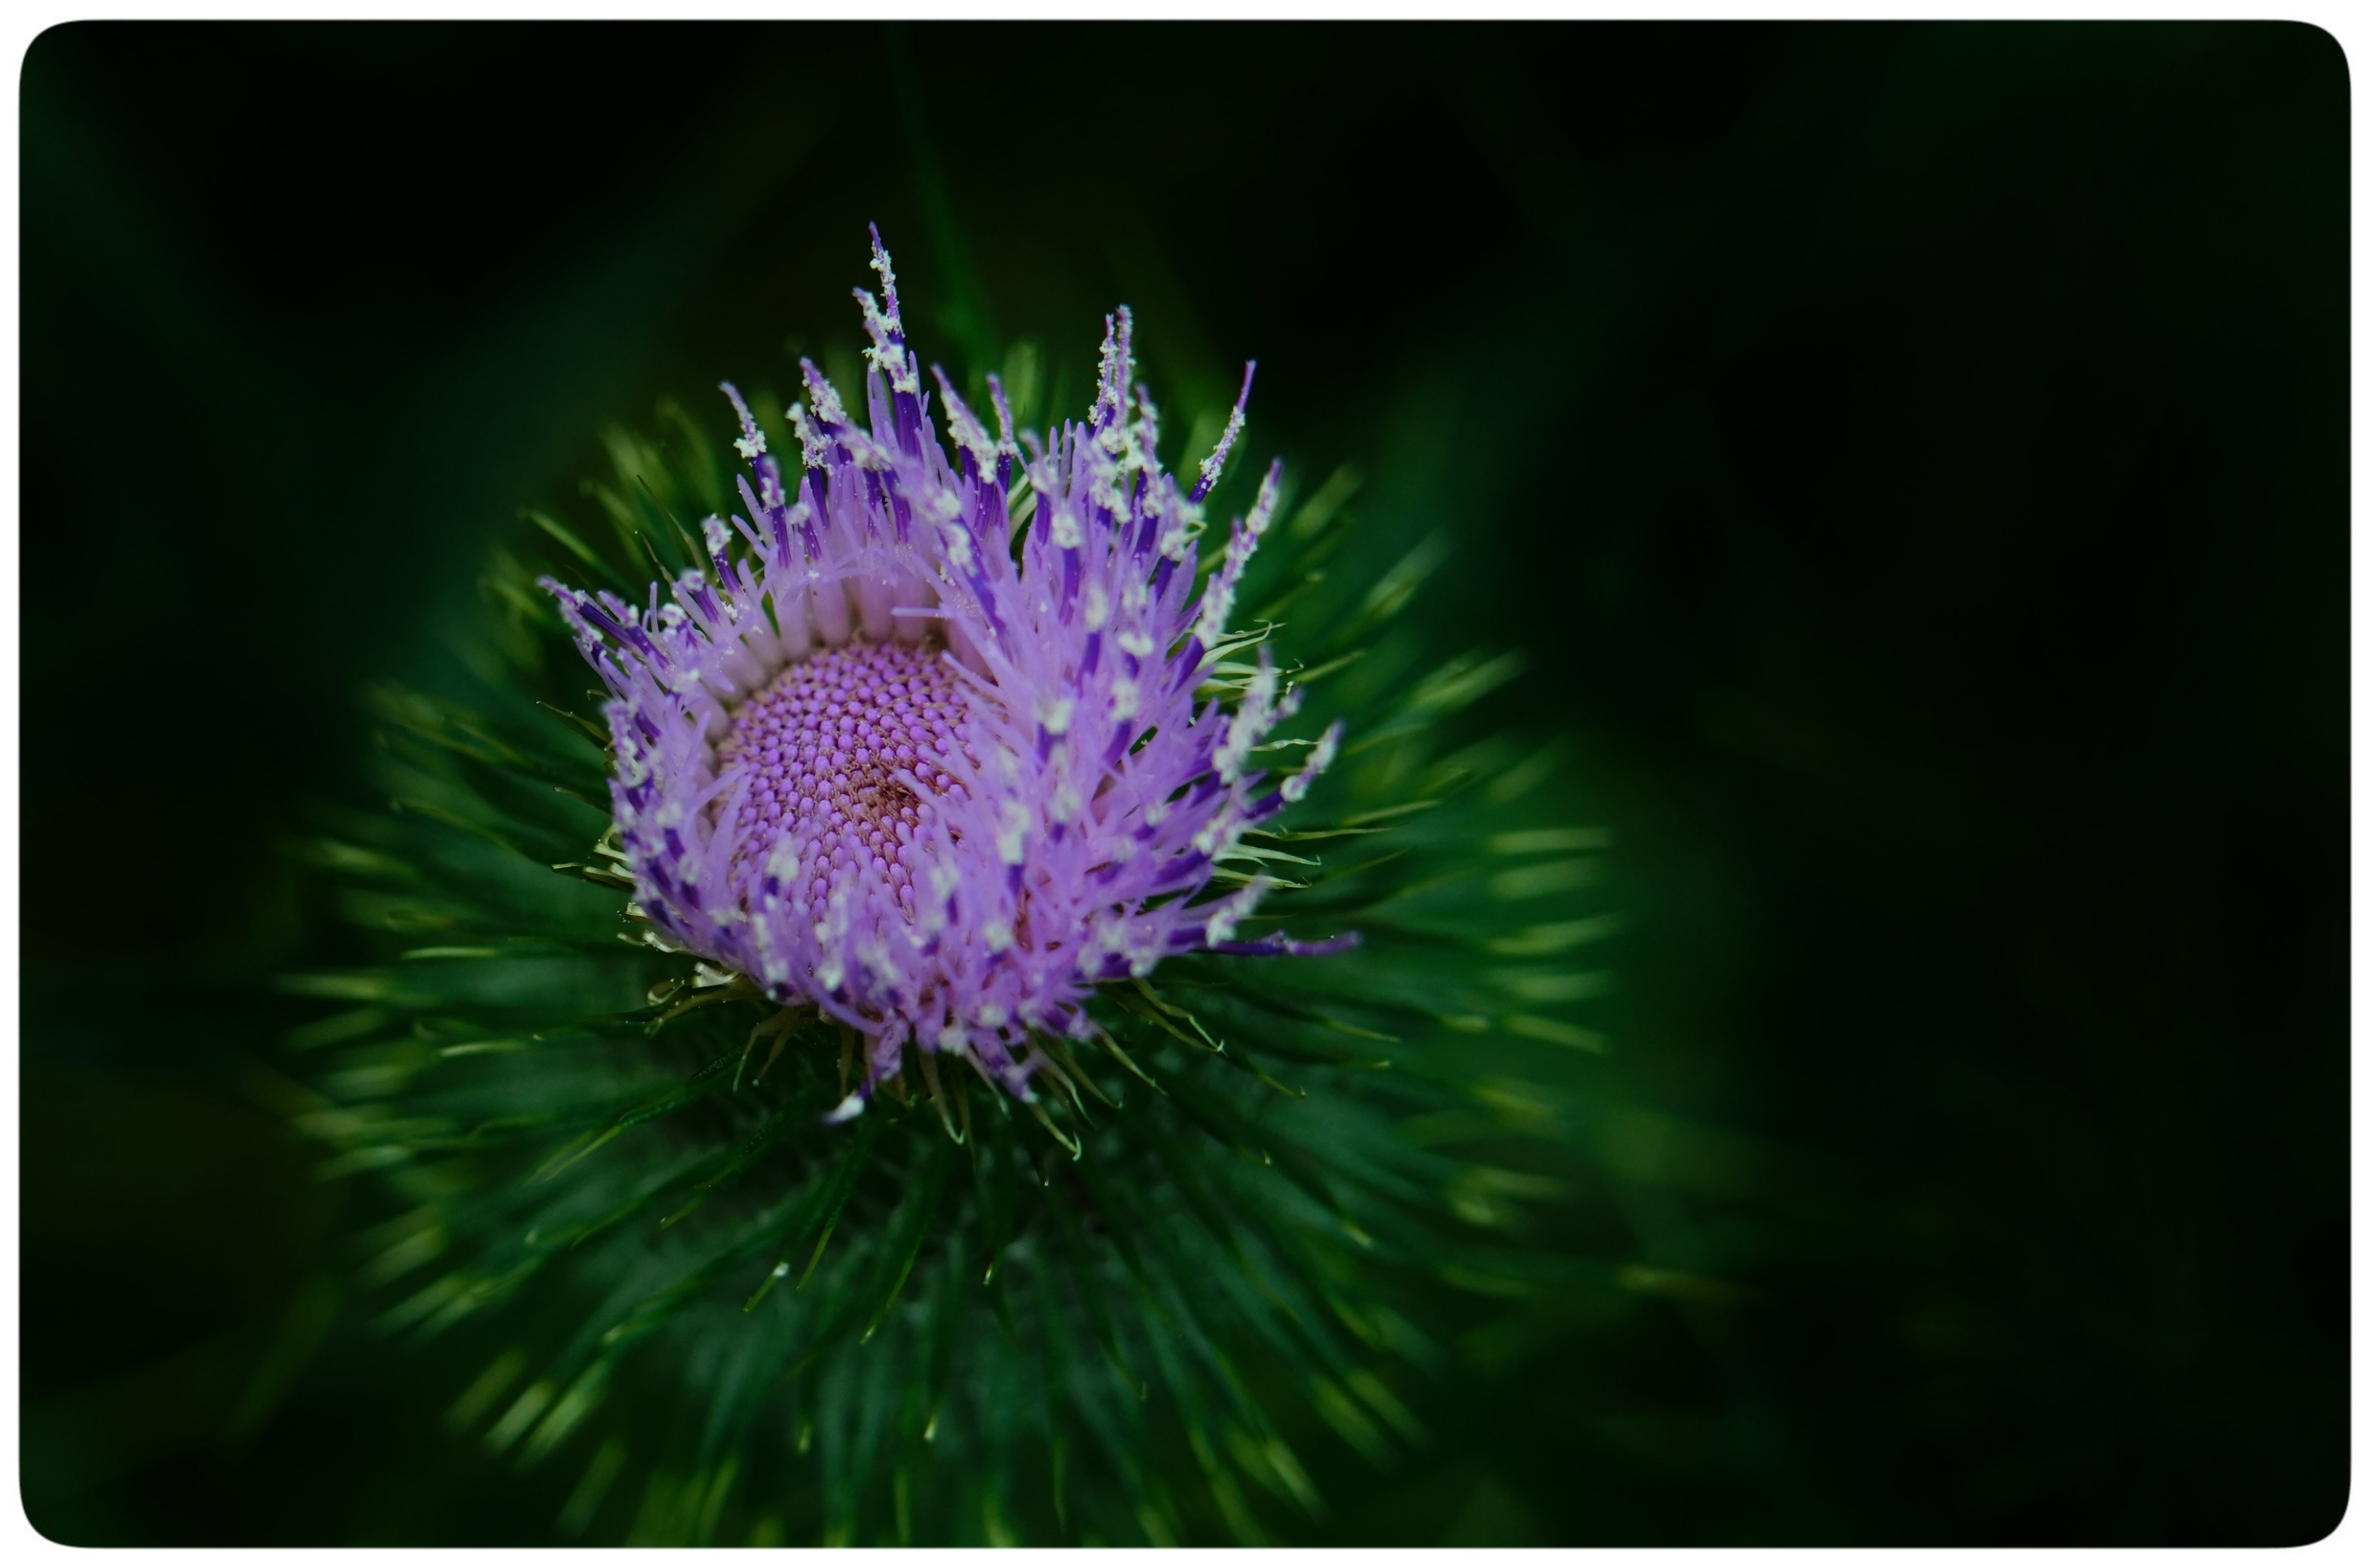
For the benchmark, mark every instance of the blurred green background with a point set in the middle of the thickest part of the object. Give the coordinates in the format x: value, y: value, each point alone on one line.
x: 1913, y: 458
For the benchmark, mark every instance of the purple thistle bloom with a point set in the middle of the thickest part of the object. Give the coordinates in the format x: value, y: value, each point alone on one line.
x: 878, y: 768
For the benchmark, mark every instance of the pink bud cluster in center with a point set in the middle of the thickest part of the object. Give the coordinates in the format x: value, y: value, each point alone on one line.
x: 846, y: 753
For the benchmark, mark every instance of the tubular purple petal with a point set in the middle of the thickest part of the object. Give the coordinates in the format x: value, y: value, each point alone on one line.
x: 1215, y: 463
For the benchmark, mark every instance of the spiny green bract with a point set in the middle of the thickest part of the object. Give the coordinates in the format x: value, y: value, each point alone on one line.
x: 1122, y: 1315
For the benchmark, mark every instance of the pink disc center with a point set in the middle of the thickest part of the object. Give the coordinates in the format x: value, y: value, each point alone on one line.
x: 845, y: 750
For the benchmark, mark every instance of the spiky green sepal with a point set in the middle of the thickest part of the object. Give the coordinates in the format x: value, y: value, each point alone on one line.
x: 1109, y: 1314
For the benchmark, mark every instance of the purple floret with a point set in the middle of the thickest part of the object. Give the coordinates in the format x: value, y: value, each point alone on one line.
x: 878, y: 769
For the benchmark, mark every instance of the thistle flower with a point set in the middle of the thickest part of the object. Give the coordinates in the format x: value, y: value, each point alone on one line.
x: 930, y: 747
x: 951, y: 751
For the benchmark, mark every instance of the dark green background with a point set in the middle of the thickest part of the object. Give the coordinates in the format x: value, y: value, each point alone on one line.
x: 1913, y: 457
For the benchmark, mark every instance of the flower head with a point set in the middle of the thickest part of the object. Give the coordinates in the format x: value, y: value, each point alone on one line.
x: 881, y: 760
